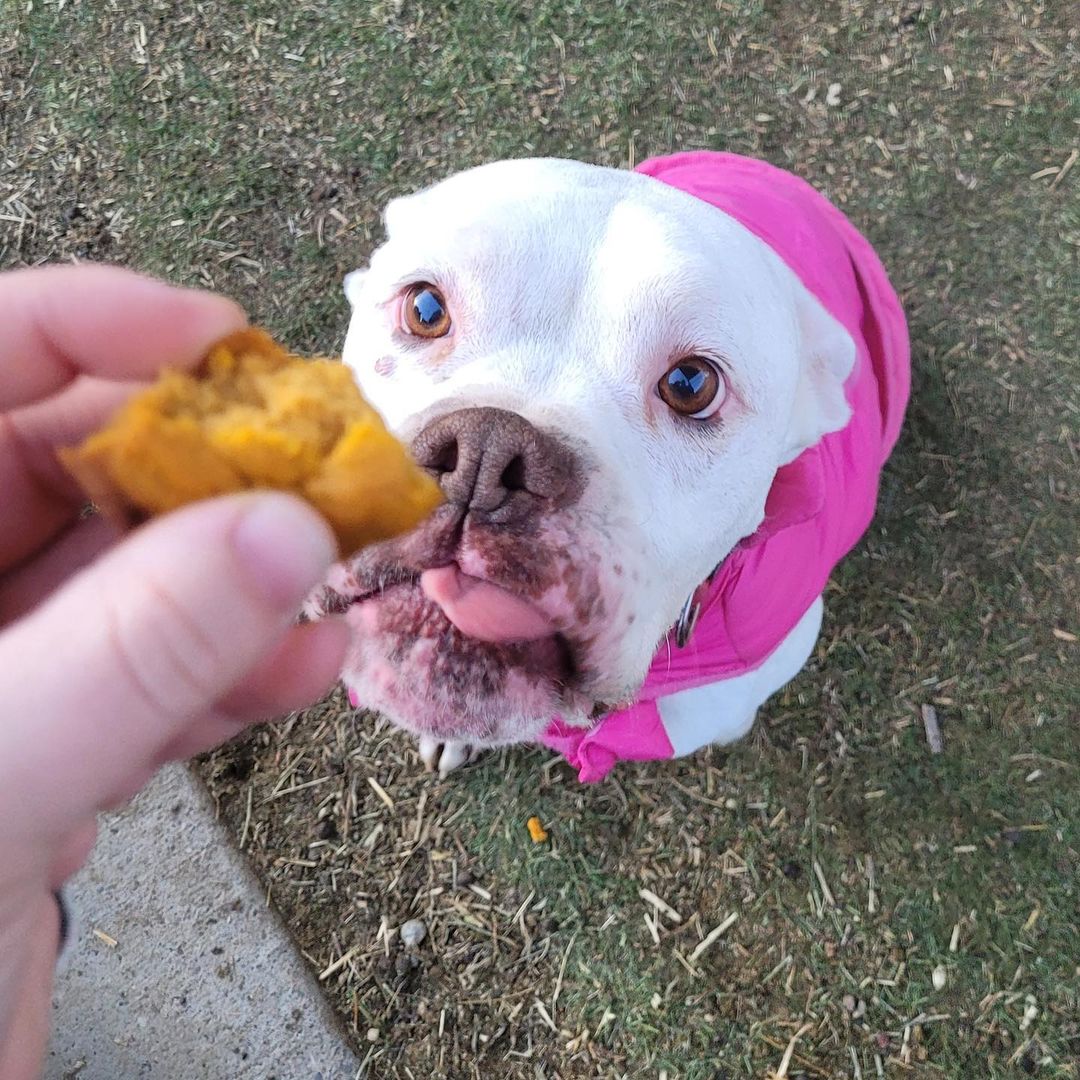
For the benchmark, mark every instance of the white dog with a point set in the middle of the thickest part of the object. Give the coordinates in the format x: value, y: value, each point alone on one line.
x: 658, y: 403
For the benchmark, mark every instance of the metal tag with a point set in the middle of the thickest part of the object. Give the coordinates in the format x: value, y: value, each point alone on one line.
x: 691, y: 611
x: 687, y: 620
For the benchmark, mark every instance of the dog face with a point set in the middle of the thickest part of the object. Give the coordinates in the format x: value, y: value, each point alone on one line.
x: 605, y: 374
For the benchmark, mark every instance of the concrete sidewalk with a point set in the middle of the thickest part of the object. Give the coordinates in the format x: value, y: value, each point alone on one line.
x: 189, y: 976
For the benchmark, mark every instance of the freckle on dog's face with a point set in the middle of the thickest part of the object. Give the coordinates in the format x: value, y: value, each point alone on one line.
x: 642, y: 348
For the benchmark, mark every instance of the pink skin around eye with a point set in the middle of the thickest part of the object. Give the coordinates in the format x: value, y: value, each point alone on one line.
x: 385, y: 365
x: 397, y: 313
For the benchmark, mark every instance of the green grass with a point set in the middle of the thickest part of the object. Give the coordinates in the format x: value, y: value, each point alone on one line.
x: 249, y: 147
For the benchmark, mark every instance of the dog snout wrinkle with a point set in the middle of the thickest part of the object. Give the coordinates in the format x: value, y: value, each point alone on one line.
x: 494, y: 462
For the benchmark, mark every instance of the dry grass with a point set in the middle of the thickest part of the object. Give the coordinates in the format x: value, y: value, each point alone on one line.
x: 900, y: 912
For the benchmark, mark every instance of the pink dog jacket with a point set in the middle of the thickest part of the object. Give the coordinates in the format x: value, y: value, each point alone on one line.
x: 821, y: 503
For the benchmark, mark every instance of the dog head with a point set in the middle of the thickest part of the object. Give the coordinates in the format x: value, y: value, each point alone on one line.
x: 604, y: 373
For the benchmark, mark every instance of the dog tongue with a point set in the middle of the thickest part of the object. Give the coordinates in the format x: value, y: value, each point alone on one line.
x: 481, y: 610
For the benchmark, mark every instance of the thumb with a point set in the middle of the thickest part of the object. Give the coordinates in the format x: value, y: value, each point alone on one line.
x: 143, y: 643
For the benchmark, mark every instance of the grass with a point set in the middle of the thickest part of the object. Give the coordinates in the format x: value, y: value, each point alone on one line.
x: 250, y: 147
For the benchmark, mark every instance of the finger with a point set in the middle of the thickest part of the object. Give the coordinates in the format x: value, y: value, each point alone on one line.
x: 22, y: 589
x: 110, y: 670
x: 58, y: 322
x: 73, y: 852
x: 65, y: 419
x: 293, y: 675
x: 27, y: 964
x: 40, y: 497
x: 298, y: 672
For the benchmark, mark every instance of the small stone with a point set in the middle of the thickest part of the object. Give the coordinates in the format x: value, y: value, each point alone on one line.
x: 855, y: 1007
x: 412, y: 933
x: 1031, y: 1012
x: 372, y: 1034
x: 940, y: 978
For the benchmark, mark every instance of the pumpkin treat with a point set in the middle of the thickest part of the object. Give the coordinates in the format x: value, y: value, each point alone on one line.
x: 254, y: 416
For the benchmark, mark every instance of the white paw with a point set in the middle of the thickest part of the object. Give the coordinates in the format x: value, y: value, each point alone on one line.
x: 446, y: 756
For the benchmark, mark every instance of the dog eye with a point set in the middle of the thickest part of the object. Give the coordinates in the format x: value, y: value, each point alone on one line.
x: 693, y: 387
x: 424, y: 311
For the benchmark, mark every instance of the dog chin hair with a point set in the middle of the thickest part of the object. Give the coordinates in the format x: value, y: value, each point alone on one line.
x: 520, y: 712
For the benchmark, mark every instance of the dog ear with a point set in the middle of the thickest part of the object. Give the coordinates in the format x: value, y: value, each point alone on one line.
x: 396, y: 211
x: 826, y: 357
x: 353, y: 283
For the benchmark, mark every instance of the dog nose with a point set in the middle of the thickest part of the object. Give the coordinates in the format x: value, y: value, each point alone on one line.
x: 496, y: 462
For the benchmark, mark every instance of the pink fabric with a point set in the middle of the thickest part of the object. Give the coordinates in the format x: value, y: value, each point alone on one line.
x: 821, y: 503
x: 633, y: 734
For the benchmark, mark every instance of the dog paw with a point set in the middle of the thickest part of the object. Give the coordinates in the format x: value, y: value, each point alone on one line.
x: 445, y: 757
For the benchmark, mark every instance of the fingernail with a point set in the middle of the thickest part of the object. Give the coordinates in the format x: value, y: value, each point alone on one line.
x: 284, y: 547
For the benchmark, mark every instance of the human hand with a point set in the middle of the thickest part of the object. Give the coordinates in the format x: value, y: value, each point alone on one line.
x: 119, y: 654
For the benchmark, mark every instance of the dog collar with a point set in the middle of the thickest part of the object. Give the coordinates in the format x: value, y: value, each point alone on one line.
x: 691, y: 612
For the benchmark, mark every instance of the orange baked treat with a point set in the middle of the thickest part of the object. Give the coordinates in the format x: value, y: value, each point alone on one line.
x: 536, y: 830
x: 254, y: 416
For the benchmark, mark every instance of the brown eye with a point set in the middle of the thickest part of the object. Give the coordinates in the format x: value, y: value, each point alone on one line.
x: 424, y: 311
x: 692, y: 387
